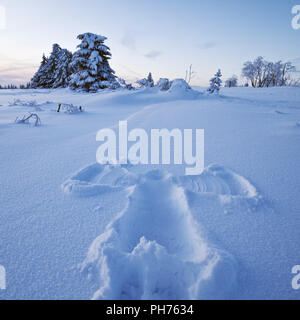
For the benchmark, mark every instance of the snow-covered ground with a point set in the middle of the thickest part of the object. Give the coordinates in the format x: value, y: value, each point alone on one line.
x: 73, y: 229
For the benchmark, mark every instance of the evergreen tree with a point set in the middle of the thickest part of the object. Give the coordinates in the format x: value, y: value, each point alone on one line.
x: 51, y: 66
x: 150, y: 80
x: 215, y: 83
x: 39, y: 77
x: 54, y: 71
x: 62, y: 69
x: 45, y: 76
x: 90, y: 65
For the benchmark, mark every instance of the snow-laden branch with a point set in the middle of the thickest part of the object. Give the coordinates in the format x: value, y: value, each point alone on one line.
x: 26, y: 119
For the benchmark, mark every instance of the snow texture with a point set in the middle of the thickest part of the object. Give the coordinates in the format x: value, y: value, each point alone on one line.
x: 140, y: 232
x: 132, y: 258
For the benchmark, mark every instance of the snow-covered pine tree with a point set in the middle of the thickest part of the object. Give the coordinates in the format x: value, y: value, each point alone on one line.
x: 90, y: 65
x: 38, y: 79
x: 45, y: 77
x: 51, y: 66
x: 215, y: 83
x: 62, y: 69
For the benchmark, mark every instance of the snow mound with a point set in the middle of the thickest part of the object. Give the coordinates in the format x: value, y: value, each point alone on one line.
x: 180, y: 89
x: 163, y: 84
x: 154, y: 249
x: 180, y: 83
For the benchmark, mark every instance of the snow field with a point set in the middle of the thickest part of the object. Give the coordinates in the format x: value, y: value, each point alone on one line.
x: 231, y: 232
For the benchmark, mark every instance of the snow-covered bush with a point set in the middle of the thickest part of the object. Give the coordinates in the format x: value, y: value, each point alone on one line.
x: 23, y: 103
x: 29, y: 103
x: 69, y: 108
x: 146, y: 82
x: 90, y: 65
x: 163, y: 84
x: 215, y: 83
x: 142, y: 82
x: 125, y: 85
x: 31, y: 117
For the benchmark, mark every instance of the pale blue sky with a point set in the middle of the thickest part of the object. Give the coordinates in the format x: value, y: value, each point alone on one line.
x: 163, y: 37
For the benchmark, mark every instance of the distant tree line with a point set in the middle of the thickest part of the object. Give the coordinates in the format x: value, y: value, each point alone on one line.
x: 13, y: 86
x: 262, y: 73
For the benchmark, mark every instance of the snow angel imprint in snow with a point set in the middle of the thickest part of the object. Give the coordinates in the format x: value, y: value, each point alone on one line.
x: 154, y: 249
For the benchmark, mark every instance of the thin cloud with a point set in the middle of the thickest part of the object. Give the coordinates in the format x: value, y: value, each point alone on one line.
x: 128, y: 41
x: 153, y: 54
x: 14, y: 78
x: 16, y: 71
x: 129, y: 74
x: 207, y: 45
x: 18, y: 67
